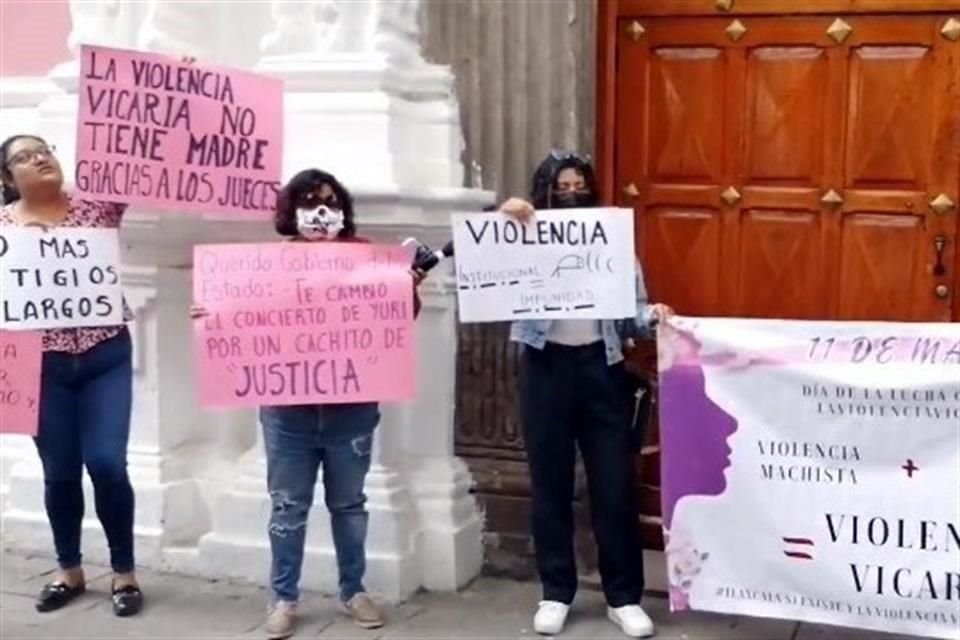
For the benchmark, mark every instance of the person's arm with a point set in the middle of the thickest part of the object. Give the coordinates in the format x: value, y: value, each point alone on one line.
x: 418, y: 277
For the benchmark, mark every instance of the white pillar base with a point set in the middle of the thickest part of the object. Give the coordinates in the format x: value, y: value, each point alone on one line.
x: 165, y: 511
x: 14, y: 449
x: 450, y: 541
x: 238, y: 547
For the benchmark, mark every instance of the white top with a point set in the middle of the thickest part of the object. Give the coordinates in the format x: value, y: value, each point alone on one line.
x: 575, y: 333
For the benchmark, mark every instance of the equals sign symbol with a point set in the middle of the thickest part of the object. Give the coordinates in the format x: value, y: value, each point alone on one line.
x: 798, y: 548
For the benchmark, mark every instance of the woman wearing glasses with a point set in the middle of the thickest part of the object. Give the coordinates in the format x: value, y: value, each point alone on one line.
x: 86, y: 392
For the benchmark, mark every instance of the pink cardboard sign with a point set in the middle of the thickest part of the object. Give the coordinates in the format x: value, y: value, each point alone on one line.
x: 303, y: 323
x: 156, y: 131
x: 21, y: 360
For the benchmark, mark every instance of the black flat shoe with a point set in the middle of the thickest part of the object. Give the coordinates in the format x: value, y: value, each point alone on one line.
x: 127, y: 601
x: 57, y: 595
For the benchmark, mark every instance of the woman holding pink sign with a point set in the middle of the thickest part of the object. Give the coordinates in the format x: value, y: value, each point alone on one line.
x: 86, y: 392
x: 300, y: 439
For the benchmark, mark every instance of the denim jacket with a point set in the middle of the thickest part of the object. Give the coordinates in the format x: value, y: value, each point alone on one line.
x: 533, y: 333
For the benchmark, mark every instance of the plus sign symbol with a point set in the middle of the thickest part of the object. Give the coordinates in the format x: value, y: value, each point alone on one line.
x: 909, y: 467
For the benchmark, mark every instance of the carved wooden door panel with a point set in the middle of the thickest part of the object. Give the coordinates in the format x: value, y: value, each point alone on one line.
x: 672, y: 80
x: 789, y: 167
x: 792, y: 167
x: 897, y: 229
x: 786, y: 94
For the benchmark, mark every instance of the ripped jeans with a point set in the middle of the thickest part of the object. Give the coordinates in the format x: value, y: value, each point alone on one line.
x: 298, y: 441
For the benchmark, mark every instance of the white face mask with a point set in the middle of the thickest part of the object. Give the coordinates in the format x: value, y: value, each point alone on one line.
x: 319, y: 223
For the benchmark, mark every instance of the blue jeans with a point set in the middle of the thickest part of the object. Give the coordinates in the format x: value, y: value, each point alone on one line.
x: 85, y: 404
x: 298, y: 440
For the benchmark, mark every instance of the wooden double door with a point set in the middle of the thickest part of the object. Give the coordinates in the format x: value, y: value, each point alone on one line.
x: 793, y: 167
x: 785, y: 166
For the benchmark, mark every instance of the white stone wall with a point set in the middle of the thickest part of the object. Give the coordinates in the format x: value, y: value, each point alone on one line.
x: 361, y: 103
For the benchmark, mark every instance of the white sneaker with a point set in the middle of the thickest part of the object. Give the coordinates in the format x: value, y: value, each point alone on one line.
x: 632, y: 619
x: 550, y: 618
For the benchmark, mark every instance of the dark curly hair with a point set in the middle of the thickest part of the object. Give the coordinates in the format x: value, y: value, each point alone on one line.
x: 10, y: 193
x: 308, y: 181
x: 545, y: 177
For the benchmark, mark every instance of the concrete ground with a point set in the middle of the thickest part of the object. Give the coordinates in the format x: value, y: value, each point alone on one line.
x: 187, y: 608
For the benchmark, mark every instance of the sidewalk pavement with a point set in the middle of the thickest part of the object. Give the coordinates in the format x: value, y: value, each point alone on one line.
x: 188, y: 608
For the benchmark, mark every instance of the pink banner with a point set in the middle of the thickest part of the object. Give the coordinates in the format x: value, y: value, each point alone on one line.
x: 160, y: 132
x: 303, y: 323
x: 21, y: 360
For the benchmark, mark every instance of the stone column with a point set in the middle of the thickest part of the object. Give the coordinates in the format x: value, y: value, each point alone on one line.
x: 449, y: 542
x: 181, y: 29
x: 180, y: 455
x: 212, y: 31
x: 300, y: 25
x: 15, y: 450
x: 110, y: 23
x: 358, y: 83
x: 176, y: 452
x: 388, y: 125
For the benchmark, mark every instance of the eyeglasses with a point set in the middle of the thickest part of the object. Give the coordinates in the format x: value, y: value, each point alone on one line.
x: 31, y: 155
x: 314, y: 199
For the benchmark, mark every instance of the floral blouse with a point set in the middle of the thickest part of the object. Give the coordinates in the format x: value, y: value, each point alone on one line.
x: 81, y: 213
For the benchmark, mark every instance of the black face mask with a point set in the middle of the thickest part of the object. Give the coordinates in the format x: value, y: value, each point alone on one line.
x: 571, y: 199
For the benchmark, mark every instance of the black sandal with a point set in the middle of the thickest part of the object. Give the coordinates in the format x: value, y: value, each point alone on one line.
x: 127, y: 601
x: 57, y: 595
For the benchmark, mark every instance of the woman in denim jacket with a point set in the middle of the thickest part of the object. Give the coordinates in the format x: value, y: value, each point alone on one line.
x: 575, y: 392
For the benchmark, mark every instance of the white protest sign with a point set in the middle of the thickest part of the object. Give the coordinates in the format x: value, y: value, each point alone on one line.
x: 574, y: 263
x: 59, y: 278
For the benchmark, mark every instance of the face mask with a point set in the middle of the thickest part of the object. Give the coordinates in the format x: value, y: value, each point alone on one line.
x: 319, y: 223
x: 571, y: 199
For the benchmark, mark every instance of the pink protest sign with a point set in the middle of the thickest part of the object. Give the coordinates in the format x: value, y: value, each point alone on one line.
x: 303, y: 323
x: 21, y: 359
x: 157, y: 131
